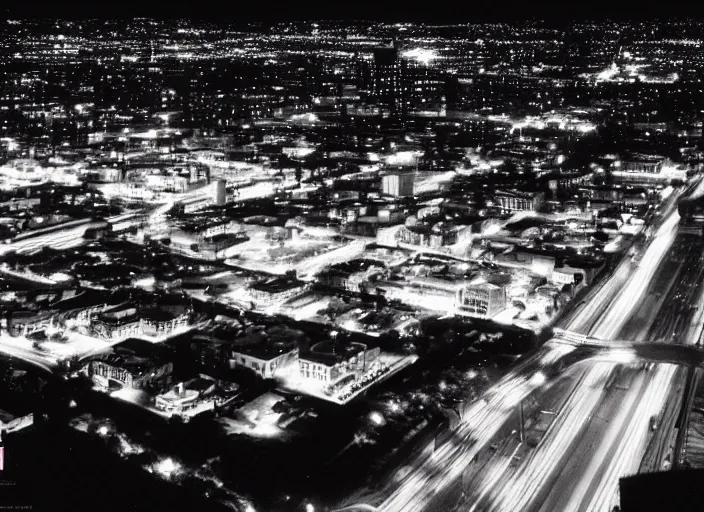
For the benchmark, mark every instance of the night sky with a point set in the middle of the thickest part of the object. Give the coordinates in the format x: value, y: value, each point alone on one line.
x: 451, y: 11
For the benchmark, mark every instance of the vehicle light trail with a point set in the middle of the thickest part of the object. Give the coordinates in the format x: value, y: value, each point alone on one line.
x: 636, y: 287
x: 557, y: 353
x: 447, y: 463
x: 624, y: 455
x: 522, y: 489
x: 495, y: 474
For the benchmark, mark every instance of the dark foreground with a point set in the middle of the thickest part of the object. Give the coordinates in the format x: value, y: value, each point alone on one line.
x: 61, y: 470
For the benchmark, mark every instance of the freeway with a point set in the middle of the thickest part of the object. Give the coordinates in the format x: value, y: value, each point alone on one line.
x: 63, y: 236
x: 61, y: 239
x: 613, y: 437
x: 601, y: 431
x: 416, y: 490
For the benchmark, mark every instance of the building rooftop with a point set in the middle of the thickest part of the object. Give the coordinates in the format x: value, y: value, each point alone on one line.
x: 515, y: 193
x: 483, y: 285
x: 332, y: 352
x: 356, y: 265
x: 202, y: 339
x: 643, y: 157
x: 200, y: 225
x: 123, y: 314
x: 200, y: 384
x: 136, y: 356
x: 156, y: 314
x: 277, y: 284
x: 264, y: 350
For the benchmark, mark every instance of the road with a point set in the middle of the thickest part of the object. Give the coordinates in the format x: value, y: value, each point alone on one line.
x: 62, y: 239
x: 21, y: 348
x: 602, y: 430
x: 69, y: 235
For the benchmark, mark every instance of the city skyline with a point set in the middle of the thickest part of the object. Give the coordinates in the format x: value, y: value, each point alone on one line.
x: 351, y: 266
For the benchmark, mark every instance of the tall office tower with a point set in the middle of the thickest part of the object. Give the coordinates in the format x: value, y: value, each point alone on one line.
x: 398, y: 184
x: 219, y: 192
x: 452, y: 92
x: 387, y: 82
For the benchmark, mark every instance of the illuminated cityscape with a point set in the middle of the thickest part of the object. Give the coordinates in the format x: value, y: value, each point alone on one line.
x: 351, y: 266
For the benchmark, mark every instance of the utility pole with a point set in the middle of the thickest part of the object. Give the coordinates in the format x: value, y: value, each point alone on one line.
x: 521, y: 421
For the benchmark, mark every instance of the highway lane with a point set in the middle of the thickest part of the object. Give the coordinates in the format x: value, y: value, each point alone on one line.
x: 628, y: 444
x: 29, y: 355
x: 528, y: 480
x: 586, y: 317
x: 541, y: 471
x: 58, y: 240
x: 663, y: 386
x: 419, y: 500
x: 71, y: 235
x: 661, y: 448
x: 625, y: 275
x: 556, y: 463
x: 568, y: 473
x: 632, y: 293
x: 621, y: 447
x: 659, y: 291
x: 417, y: 489
x: 506, y: 447
x: 679, y: 448
x: 658, y: 454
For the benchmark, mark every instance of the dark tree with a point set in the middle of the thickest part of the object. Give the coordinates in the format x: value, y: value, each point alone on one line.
x: 509, y: 167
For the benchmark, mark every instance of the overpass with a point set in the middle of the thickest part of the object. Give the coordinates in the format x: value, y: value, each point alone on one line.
x: 621, y: 350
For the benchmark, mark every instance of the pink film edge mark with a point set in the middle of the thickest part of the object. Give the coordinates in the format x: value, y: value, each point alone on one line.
x: 2, y: 458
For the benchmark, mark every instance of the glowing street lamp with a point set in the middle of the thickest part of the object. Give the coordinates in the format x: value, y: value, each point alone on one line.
x: 538, y: 379
x: 376, y: 418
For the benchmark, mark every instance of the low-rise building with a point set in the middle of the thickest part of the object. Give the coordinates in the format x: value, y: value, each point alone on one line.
x: 352, y: 275
x: 518, y: 201
x: 264, y: 359
x: 276, y: 290
x: 195, y: 396
x: 168, y: 182
x: 24, y: 322
x: 398, y: 184
x: 127, y: 322
x: 481, y: 299
x: 202, y: 230
x: 10, y: 423
x: 643, y: 163
x: 327, y: 362
x: 536, y: 260
x: 211, y: 353
x: 135, y: 364
x: 158, y: 322
x: 117, y: 324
